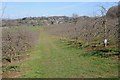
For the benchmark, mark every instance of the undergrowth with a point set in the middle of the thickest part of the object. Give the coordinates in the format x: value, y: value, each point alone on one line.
x: 92, y: 50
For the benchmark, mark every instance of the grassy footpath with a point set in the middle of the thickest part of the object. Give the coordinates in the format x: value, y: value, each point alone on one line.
x: 53, y: 59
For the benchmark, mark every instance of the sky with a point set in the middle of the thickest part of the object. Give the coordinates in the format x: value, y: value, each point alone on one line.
x: 14, y: 10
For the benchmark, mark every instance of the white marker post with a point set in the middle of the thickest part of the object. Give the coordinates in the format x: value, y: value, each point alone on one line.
x: 105, y: 42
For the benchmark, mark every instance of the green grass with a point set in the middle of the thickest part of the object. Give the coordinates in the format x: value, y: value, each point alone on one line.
x: 51, y: 58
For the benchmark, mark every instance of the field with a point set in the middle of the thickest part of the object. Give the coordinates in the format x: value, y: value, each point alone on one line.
x: 52, y: 57
x: 69, y: 46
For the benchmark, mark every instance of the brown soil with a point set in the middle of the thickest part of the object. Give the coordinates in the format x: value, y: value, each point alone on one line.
x: 13, y: 74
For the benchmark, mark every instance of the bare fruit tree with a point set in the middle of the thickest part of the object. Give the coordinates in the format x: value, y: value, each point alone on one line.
x: 75, y: 18
x: 104, y: 20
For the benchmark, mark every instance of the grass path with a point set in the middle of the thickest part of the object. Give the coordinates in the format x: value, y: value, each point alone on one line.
x: 52, y: 59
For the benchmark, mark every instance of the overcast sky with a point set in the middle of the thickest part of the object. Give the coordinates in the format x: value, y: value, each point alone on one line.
x: 35, y: 9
